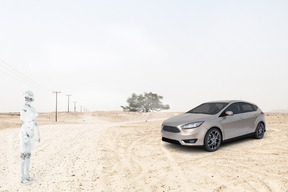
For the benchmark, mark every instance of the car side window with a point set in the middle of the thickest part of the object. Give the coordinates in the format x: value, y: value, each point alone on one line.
x: 235, y: 108
x: 246, y: 107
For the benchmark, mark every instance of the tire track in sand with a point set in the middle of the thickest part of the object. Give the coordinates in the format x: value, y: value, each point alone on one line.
x: 142, y: 165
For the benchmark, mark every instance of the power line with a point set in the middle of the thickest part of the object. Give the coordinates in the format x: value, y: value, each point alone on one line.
x: 10, y: 73
x: 14, y: 73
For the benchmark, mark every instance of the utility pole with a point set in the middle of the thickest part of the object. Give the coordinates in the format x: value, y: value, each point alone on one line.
x: 68, y: 101
x: 80, y: 108
x: 56, y: 103
x: 74, y: 106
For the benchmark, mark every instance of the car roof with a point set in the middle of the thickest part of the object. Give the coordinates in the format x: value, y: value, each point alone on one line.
x: 229, y: 101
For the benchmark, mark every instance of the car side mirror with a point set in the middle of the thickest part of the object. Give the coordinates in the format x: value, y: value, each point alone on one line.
x: 229, y: 113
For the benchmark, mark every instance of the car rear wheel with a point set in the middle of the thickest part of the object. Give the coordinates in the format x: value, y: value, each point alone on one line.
x: 212, y: 140
x: 259, y: 132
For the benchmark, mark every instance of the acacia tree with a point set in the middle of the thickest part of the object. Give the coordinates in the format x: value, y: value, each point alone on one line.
x: 145, y: 103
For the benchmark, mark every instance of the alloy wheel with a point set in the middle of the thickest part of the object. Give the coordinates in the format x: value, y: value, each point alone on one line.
x: 259, y: 133
x: 213, y: 140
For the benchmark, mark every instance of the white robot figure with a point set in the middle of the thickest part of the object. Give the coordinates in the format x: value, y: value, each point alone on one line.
x: 28, y: 120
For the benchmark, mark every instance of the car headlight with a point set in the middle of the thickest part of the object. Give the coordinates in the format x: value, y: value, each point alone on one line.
x: 192, y: 125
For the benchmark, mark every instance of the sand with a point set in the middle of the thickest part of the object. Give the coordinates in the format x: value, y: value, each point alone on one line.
x: 121, y: 151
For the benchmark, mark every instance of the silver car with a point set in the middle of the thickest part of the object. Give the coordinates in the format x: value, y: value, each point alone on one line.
x: 212, y: 123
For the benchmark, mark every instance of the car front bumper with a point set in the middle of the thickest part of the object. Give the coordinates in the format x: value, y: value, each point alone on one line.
x: 189, y: 137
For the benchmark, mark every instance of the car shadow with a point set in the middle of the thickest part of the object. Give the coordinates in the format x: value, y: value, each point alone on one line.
x: 182, y: 148
x: 200, y: 149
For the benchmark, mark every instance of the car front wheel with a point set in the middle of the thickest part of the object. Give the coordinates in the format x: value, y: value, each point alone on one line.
x: 259, y: 132
x: 212, y: 140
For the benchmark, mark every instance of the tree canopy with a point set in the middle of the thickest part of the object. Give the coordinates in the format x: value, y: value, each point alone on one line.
x: 146, y: 102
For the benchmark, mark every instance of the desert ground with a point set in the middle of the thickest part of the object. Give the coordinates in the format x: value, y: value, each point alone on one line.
x: 122, y: 151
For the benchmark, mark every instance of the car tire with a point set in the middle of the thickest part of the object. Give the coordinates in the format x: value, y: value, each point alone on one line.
x: 212, y: 140
x: 260, y: 130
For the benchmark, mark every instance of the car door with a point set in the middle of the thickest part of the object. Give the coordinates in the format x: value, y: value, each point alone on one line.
x: 232, y: 125
x: 249, y: 116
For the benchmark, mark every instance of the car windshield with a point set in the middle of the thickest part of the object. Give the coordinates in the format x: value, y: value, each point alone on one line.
x: 208, y: 108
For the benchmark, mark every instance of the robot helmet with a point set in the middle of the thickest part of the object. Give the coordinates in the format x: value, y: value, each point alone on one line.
x: 29, y: 96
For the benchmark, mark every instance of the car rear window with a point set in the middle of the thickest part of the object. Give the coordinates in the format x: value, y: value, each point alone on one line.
x: 208, y: 108
x: 255, y: 108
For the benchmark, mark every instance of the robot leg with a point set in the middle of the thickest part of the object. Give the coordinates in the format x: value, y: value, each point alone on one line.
x: 23, y: 161
x: 28, y: 159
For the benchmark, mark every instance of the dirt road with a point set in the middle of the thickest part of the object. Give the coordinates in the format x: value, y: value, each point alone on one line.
x: 124, y: 153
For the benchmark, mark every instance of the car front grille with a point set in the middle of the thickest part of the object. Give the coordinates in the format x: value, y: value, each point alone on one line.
x: 171, y: 129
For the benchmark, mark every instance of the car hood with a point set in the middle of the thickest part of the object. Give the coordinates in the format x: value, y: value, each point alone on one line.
x: 186, y: 118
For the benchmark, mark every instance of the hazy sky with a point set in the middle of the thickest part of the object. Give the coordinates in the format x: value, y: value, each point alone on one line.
x: 103, y: 51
